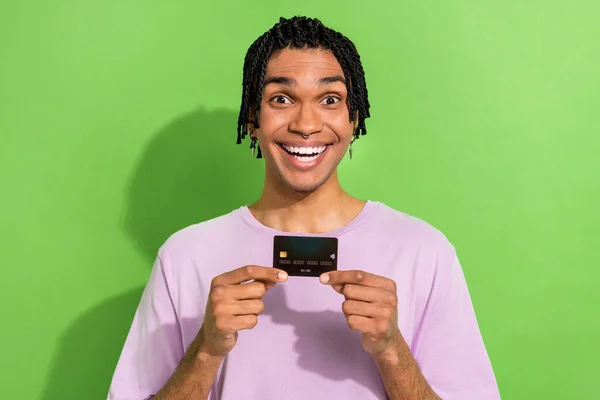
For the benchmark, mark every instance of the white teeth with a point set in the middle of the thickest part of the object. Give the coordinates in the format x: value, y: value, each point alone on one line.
x: 305, y: 158
x: 312, y: 151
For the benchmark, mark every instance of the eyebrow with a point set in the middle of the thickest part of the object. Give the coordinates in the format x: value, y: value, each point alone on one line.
x: 331, y: 79
x: 280, y: 80
x: 283, y: 80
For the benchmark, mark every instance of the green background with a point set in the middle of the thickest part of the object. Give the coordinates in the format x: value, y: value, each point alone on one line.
x: 117, y: 124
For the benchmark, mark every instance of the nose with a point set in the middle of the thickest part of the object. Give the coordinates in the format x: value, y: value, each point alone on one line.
x: 306, y: 121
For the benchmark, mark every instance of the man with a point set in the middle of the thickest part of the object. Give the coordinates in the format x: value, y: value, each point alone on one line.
x: 218, y: 321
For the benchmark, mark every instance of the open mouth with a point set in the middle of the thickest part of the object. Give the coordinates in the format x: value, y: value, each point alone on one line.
x: 304, y: 154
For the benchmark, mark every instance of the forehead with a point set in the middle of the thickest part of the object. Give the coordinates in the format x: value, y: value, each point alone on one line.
x: 303, y: 64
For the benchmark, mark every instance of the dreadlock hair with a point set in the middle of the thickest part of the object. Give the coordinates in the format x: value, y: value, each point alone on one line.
x: 301, y: 33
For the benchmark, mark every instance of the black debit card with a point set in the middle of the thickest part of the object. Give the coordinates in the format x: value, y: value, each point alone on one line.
x: 304, y: 255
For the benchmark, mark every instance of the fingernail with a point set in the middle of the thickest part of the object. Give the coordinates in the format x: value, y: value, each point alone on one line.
x: 325, y: 278
x: 281, y: 275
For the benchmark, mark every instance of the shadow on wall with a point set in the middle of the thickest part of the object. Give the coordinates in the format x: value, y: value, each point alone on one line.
x: 81, y: 366
x: 191, y: 171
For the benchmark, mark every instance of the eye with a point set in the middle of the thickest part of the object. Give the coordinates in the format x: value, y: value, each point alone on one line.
x: 281, y: 100
x: 330, y: 100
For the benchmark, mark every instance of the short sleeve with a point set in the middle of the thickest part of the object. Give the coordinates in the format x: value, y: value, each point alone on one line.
x: 448, y: 346
x: 153, y: 347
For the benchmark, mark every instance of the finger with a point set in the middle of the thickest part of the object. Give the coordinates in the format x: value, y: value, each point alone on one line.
x: 361, y: 309
x: 248, y: 273
x: 338, y: 288
x: 246, y: 291
x: 244, y: 307
x: 360, y: 324
x: 369, y: 294
x: 236, y: 323
x: 356, y: 277
x: 269, y: 285
x: 246, y: 322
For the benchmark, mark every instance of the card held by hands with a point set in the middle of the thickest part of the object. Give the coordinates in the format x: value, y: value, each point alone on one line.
x: 305, y: 255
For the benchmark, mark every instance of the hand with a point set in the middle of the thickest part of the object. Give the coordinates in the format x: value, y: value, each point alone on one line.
x: 371, y: 308
x: 234, y: 305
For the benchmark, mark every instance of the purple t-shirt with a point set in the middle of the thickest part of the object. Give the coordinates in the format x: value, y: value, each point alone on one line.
x: 302, y: 347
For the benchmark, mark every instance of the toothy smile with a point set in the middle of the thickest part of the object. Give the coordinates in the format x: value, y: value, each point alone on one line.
x: 305, y: 154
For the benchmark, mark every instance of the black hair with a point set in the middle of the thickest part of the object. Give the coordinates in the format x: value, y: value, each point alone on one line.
x: 301, y: 33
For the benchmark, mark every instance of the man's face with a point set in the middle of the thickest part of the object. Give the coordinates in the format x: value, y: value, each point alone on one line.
x: 304, y: 93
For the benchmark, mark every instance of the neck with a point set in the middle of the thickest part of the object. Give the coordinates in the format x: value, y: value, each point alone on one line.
x: 326, y: 209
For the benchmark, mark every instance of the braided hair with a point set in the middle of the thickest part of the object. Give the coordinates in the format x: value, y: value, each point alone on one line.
x: 301, y: 33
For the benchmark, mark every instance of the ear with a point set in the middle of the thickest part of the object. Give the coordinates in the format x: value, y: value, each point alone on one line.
x: 356, y: 123
x: 251, y: 117
x: 252, y: 125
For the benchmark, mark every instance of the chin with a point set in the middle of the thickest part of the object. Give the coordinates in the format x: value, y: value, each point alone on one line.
x: 305, y: 186
x: 303, y: 179
x: 302, y: 189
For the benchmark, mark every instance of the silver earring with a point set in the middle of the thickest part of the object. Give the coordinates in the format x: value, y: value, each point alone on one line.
x: 253, y: 141
x: 350, y: 149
